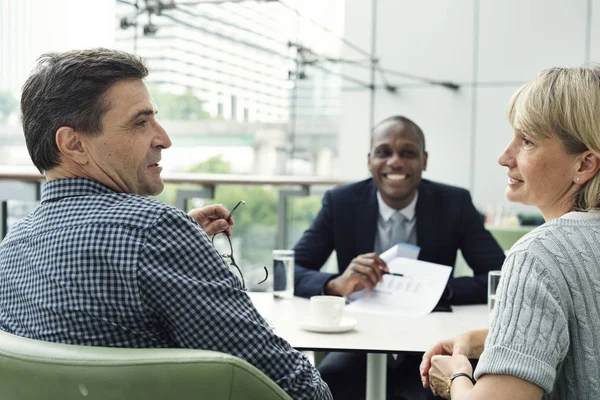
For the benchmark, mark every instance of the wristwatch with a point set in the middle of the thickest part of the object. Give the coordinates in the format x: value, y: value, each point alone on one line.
x: 453, y: 377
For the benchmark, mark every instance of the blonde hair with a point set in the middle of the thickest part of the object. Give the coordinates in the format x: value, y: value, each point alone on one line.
x: 563, y: 104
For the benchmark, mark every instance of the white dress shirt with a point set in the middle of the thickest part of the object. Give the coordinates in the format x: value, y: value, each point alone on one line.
x: 384, y: 223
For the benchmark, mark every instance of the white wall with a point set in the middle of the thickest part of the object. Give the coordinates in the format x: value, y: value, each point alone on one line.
x: 29, y: 28
x: 61, y: 25
x: 353, y: 139
x: 488, y: 47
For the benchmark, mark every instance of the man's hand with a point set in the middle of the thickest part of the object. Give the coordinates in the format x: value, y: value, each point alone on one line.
x: 365, y: 271
x: 212, y: 219
x: 442, y: 369
x: 469, y: 344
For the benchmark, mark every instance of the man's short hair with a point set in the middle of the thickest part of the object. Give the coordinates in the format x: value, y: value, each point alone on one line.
x: 400, y: 119
x: 66, y: 89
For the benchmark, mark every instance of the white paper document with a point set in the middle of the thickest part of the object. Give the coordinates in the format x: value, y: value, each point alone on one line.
x: 413, y: 294
x: 400, y: 250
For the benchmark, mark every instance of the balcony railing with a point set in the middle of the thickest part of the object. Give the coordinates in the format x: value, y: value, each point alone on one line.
x: 23, y: 184
x: 30, y: 174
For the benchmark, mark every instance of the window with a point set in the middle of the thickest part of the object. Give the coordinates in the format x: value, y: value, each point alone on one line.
x: 233, y: 107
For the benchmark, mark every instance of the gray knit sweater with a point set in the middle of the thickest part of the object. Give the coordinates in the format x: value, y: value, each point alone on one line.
x: 546, y: 325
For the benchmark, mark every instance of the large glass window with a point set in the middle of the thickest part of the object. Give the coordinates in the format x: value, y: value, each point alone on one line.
x: 261, y: 107
x: 237, y: 86
x: 237, y: 80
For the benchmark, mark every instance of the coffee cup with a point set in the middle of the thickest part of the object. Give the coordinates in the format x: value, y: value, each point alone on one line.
x: 327, y: 310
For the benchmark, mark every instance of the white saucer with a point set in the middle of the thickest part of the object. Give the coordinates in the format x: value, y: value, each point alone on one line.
x: 345, y: 325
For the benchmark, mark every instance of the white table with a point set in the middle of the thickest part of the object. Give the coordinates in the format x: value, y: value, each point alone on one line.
x: 375, y: 334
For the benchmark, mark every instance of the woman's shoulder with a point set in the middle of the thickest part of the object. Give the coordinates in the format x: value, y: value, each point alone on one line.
x: 531, y: 238
x: 560, y: 245
x: 570, y: 228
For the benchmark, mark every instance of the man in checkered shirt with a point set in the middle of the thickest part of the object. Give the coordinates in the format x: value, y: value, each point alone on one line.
x: 99, y: 263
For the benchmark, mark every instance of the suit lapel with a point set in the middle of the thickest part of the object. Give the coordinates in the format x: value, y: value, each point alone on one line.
x: 366, y: 212
x: 427, y: 215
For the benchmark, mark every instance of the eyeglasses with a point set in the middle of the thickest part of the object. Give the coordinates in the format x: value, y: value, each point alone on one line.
x: 225, y: 249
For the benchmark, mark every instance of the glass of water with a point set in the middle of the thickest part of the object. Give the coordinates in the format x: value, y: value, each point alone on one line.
x: 283, y: 274
x: 493, y: 281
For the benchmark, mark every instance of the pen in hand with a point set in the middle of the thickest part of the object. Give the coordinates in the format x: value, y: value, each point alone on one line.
x: 393, y: 274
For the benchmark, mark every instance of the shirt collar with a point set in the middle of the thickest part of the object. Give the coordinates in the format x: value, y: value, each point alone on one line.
x: 71, y: 187
x: 386, y: 212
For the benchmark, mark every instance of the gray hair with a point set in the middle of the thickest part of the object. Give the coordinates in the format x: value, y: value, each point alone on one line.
x: 67, y: 89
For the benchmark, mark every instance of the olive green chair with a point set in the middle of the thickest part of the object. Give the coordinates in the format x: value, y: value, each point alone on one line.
x: 35, y: 370
x: 507, y: 236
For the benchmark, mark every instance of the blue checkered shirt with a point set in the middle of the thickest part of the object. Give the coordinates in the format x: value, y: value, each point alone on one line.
x: 94, y: 267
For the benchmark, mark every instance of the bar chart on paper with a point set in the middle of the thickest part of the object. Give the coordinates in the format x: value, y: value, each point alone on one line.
x: 393, y: 284
x: 413, y: 294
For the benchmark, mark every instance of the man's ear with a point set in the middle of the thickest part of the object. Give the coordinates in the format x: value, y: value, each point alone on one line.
x: 588, y: 167
x: 70, y: 146
x: 425, y: 156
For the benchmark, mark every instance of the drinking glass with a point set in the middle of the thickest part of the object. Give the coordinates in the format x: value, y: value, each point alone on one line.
x: 283, y: 274
x: 493, y: 281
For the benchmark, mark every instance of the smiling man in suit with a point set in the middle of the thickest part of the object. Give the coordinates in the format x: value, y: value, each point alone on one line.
x: 363, y: 219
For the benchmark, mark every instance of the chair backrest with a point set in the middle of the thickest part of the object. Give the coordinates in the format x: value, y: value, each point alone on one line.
x: 507, y: 236
x: 32, y: 370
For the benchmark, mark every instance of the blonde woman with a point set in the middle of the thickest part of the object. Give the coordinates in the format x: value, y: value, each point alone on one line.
x: 544, y: 340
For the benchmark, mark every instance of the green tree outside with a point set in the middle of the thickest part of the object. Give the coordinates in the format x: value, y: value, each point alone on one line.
x: 179, y: 107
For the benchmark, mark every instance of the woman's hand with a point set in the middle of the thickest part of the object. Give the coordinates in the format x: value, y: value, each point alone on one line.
x: 469, y: 344
x: 442, y: 369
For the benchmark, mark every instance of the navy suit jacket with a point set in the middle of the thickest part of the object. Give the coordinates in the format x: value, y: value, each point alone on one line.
x: 446, y: 221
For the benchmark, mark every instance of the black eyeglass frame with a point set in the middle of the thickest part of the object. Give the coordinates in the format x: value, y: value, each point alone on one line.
x: 230, y: 255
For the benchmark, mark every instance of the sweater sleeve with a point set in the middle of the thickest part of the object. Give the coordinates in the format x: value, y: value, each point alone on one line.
x: 529, y: 335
